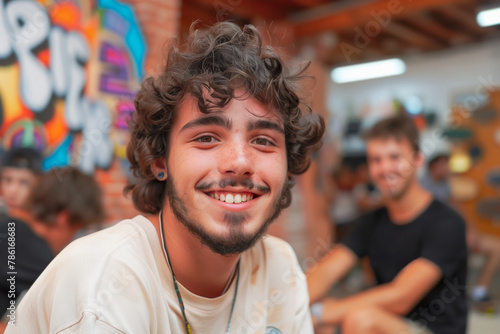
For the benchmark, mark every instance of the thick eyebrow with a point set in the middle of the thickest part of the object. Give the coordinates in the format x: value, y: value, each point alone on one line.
x: 264, y: 124
x: 217, y: 120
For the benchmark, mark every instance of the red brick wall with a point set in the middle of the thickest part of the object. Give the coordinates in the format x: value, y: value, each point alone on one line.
x: 159, y: 20
x: 117, y: 206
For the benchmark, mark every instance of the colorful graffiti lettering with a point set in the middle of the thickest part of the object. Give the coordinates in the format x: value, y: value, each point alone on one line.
x: 121, y: 56
x: 46, y: 52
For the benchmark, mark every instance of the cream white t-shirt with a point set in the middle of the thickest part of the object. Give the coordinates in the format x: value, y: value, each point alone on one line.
x: 117, y: 281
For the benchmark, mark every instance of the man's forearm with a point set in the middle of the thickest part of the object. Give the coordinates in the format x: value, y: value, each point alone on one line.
x: 329, y: 270
x: 385, y: 296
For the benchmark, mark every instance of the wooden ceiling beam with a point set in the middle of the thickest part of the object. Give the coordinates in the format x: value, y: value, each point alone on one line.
x: 425, y: 23
x: 359, y: 14
x: 343, y: 54
x: 464, y: 18
x: 413, y: 37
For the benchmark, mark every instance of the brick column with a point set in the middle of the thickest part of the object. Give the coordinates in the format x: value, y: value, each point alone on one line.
x: 159, y: 20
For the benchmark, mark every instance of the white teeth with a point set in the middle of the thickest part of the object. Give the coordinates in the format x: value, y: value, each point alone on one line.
x: 232, y: 198
x: 237, y: 198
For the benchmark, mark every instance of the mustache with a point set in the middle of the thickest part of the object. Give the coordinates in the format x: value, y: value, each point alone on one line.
x: 247, y: 183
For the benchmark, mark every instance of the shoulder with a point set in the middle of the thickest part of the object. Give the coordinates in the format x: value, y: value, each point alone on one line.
x: 274, y: 257
x: 102, y: 242
x: 90, y: 262
x: 443, y: 214
x: 26, y: 240
x: 122, y: 242
x: 16, y: 224
x: 103, y: 271
x: 275, y: 249
x: 442, y: 222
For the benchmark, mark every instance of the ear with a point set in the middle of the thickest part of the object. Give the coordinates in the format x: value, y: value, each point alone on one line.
x: 62, y: 222
x: 159, y: 169
x: 419, y: 160
x: 62, y: 219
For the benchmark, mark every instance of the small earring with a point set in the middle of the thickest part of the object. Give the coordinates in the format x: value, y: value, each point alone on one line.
x: 161, y: 175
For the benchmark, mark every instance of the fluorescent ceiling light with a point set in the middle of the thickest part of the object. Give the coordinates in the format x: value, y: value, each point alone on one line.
x: 376, y: 69
x: 488, y: 17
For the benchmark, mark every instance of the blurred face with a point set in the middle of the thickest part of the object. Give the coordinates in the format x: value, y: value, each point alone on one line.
x: 16, y: 184
x: 392, y: 165
x: 440, y: 169
x: 227, y: 171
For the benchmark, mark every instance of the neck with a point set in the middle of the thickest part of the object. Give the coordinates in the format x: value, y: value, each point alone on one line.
x: 196, y: 266
x: 406, y: 208
x: 19, y: 214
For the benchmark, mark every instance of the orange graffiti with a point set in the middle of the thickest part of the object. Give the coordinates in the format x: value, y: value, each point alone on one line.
x: 66, y: 15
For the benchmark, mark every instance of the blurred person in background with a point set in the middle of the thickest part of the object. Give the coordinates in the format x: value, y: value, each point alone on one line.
x: 437, y: 181
x: 415, y: 244
x: 216, y: 139
x: 436, y: 178
x: 64, y: 201
x: 60, y: 203
x: 351, y: 194
x: 344, y: 206
x: 20, y: 167
x: 366, y: 193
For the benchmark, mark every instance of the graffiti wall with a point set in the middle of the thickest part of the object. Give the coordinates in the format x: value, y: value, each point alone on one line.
x: 69, y: 71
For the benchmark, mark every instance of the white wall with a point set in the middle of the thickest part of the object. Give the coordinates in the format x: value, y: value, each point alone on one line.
x: 434, y: 77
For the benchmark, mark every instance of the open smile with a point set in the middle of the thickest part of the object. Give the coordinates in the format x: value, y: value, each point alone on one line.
x: 232, y: 197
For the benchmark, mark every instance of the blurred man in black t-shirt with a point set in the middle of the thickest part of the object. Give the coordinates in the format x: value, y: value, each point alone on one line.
x: 28, y: 254
x: 415, y: 244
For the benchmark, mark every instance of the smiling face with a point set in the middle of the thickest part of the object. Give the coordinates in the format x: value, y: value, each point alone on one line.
x: 392, y: 165
x: 227, y: 172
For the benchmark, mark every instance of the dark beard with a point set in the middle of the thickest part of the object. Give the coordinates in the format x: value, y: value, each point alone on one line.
x: 236, y: 243
x: 397, y: 196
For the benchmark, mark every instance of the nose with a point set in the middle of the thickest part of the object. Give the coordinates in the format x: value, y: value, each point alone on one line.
x: 385, y: 166
x: 237, y: 159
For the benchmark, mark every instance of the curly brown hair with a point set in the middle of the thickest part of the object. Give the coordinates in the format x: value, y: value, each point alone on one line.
x: 216, y: 63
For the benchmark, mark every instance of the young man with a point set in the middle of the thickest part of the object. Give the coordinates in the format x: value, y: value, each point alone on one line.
x: 415, y: 244
x: 216, y: 139
x: 61, y: 202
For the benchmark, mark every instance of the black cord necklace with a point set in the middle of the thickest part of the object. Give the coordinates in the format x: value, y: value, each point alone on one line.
x: 181, y: 303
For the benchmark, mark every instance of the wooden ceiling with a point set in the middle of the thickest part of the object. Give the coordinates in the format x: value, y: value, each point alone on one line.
x: 351, y: 31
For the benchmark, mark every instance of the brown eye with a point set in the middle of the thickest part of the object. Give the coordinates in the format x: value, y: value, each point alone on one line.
x: 205, y: 139
x: 263, y: 142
